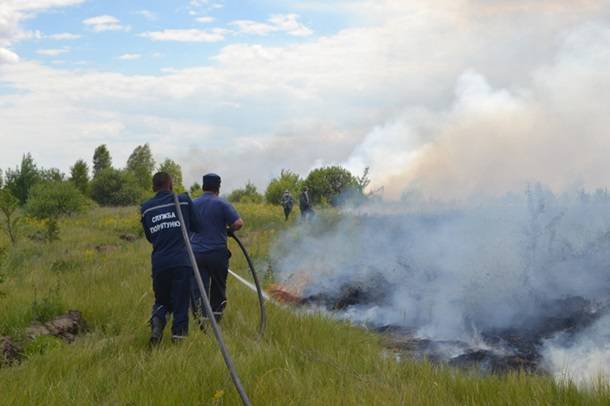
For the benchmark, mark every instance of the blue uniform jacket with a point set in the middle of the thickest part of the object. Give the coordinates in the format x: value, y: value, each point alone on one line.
x: 162, y: 228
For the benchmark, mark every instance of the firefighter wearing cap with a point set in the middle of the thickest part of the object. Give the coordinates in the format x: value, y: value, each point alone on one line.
x: 210, y: 245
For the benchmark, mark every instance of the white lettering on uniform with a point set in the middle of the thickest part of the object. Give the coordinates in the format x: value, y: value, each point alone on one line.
x: 165, y: 226
x: 164, y: 216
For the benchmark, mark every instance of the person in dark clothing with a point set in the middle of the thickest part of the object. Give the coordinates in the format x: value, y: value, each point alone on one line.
x: 171, y: 268
x: 287, y: 202
x: 305, y: 204
x: 210, y: 245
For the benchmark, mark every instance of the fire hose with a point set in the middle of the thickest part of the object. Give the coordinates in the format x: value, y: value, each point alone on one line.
x: 259, y: 291
x: 208, y: 309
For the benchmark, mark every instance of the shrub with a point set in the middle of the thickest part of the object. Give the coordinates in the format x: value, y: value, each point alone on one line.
x: 79, y: 176
x: 112, y: 187
x: 329, y: 184
x: 20, y: 180
x: 101, y: 159
x: 249, y: 194
x: 195, y: 190
x: 141, y: 164
x: 175, y: 171
x: 50, y: 200
x: 286, y: 181
x: 8, y: 207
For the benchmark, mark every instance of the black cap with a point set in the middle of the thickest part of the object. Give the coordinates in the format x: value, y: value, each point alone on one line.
x: 211, y: 181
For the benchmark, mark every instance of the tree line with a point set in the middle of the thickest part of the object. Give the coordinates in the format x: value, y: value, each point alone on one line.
x: 48, y: 194
x: 331, y: 185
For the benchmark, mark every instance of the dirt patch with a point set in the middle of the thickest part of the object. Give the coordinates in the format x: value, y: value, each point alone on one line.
x: 10, y: 352
x: 106, y: 248
x: 128, y: 237
x: 66, y: 326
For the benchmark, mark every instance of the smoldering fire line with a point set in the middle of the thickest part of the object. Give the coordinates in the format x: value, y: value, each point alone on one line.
x: 496, y: 282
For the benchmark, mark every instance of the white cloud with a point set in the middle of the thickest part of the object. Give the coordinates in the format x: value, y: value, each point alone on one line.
x: 197, y: 7
x: 130, y: 57
x: 253, y: 27
x: 147, y: 14
x: 205, y: 19
x: 12, y: 13
x: 8, y: 56
x: 187, y: 35
x: 287, y: 23
x: 64, y: 36
x: 52, y: 51
x: 105, y: 23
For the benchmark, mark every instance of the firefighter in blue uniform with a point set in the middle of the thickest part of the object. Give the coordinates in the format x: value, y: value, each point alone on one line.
x: 171, y: 268
x: 218, y: 217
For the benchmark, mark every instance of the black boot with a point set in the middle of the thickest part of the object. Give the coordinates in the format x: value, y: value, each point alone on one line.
x: 156, y: 326
x: 220, y: 311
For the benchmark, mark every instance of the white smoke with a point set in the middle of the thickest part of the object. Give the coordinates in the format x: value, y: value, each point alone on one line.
x: 449, y: 271
x: 584, y: 360
x: 553, y: 129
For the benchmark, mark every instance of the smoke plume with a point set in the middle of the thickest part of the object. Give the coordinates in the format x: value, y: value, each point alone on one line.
x: 451, y: 271
x: 552, y: 129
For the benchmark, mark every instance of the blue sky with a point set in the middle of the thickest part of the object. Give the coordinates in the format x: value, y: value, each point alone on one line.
x: 121, y: 47
x: 449, y: 97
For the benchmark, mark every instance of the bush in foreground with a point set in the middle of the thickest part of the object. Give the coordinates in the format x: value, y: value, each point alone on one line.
x: 50, y: 200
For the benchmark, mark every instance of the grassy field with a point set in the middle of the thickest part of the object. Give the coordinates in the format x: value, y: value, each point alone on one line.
x: 303, y: 359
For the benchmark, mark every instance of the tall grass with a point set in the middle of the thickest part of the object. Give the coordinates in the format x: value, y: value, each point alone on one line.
x: 304, y: 359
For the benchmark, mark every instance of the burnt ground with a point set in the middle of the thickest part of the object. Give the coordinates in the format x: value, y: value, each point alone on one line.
x: 498, y: 350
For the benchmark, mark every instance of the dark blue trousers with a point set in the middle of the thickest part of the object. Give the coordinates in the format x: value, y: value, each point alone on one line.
x: 171, y: 287
x: 213, y: 268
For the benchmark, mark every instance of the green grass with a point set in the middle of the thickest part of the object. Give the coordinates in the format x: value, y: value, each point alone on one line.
x: 303, y: 359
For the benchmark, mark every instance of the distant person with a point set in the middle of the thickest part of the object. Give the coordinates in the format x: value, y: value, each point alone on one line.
x: 218, y: 218
x: 287, y: 202
x: 171, y: 268
x: 305, y: 204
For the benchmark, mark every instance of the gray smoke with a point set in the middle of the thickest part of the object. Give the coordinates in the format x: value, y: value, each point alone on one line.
x: 584, y: 359
x: 449, y: 271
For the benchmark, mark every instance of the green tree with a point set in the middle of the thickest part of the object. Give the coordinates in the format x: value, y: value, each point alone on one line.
x: 112, y: 187
x: 101, y: 159
x: 195, y: 190
x: 331, y: 184
x: 51, y: 200
x: 249, y: 194
x: 175, y: 172
x: 79, y: 176
x: 20, y: 180
x: 286, y: 181
x: 142, y: 164
x: 55, y: 199
x: 51, y: 175
x: 8, y: 207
